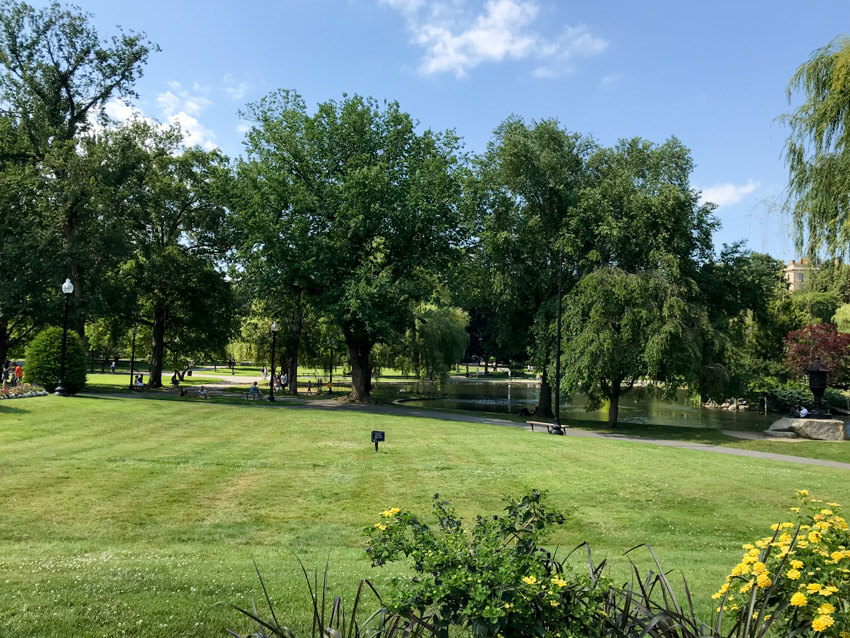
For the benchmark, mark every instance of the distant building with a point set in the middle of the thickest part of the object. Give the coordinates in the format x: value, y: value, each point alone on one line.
x: 797, y: 273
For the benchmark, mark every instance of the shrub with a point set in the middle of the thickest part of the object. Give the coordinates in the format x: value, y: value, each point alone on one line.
x: 495, y: 580
x: 43, y: 361
x: 798, y: 577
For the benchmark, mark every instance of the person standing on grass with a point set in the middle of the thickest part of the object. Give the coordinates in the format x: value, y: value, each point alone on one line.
x: 309, y: 386
x: 265, y: 373
x: 112, y: 367
x: 19, y: 374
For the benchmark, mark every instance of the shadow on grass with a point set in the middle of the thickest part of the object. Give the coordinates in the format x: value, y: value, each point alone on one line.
x: 8, y: 409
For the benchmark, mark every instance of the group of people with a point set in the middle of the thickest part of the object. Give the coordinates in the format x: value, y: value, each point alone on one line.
x: 203, y: 393
x: 13, y: 374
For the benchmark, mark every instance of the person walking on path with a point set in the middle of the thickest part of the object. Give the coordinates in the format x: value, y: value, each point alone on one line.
x: 265, y: 373
x: 112, y: 366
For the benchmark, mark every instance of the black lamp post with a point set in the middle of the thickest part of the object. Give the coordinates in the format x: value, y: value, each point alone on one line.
x: 67, y: 289
x: 556, y: 422
x: 274, y: 346
x: 133, y: 359
x: 817, y: 384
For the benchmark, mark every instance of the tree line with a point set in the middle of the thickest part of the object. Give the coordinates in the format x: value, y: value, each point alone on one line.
x: 362, y: 234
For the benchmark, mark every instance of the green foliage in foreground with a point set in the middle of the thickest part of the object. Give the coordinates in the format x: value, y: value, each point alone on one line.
x: 44, y: 361
x: 493, y: 580
x: 139, y: 516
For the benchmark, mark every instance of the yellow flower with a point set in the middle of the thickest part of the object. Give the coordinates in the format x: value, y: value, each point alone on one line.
x: 381, y: 526
x: 796, y: 510
x: 828, y: 591
x: 822, y: 622
x: 836, y: 556
x: 826, y: 512
x: 554, y: 603
x: 747, y: 587
x: 796, y: 564
x: 560, y: 582
x: 758, y: 567
x: 802, y: 492
x: 792, y: 574
x: 529, y: 580
x: 814, y: 536
x: 826, y: 608
x: 798, y: 600
x: 763, y: 580
x: 748, y: 546
x: 813, y: 588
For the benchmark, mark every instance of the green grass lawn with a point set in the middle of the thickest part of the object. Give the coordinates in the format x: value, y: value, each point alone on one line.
x: 135, y: 517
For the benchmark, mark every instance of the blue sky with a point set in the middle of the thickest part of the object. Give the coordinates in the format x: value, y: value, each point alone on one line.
x: 711, y: 73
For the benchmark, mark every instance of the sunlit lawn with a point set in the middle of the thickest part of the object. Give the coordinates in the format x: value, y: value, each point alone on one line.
x: 138, y: 516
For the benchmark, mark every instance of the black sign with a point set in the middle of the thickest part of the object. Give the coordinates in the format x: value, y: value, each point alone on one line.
x: 377, y: 436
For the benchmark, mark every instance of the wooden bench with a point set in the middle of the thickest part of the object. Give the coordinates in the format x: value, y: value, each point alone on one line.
x: 548, y: 426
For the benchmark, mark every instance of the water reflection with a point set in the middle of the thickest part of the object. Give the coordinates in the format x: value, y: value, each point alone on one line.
x: 639, y: 406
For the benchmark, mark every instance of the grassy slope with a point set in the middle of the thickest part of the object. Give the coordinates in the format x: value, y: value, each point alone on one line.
x: 147, y: 513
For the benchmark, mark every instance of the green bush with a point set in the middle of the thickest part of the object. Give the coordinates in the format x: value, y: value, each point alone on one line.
x: 43, y: 361
x: 496, y: 580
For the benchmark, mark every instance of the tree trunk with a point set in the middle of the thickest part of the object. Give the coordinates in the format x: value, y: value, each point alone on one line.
x: 614, y: 403
x: 359, y: 349
x: 486, y: 366
x: 292, y: 348
x: 5, y: 341
x: 157, y: 347
x: 544, y: 403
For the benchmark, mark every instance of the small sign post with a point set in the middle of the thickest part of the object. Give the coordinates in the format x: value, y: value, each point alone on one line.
x: 377, y: 436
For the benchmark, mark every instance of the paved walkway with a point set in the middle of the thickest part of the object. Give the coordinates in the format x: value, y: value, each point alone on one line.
x: 338, y: 403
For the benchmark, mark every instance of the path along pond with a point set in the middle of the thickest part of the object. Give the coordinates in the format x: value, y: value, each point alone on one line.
x: 641, y: 406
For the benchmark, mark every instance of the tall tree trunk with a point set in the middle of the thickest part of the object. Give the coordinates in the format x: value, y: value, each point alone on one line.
x: 486, y: 365
x: 157, y: 346
x: 614, y: 402
x: 359, y: 349
x: 544, y: 403
x: 5, y: 341
x: 292, y: 347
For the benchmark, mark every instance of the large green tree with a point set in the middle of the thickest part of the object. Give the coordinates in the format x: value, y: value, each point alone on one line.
x: 637, y: 311
x: 818, y: 149
x: 353, y: 208
x: 56, y: 75
x: 176, y: 225
x: 524, y: 215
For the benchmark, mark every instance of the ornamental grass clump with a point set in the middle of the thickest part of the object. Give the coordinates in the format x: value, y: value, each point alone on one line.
x: 495, y: 579
x: 797, y: 579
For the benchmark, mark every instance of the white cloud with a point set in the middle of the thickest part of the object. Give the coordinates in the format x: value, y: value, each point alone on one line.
x: 610, y: 80
x: 457, y: 41
x: 234, y: 89
x: 724, y: 194
x: 182, y: 108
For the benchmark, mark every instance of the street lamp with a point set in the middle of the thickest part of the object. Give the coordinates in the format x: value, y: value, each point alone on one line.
x: 133, y: 358
x: 556, y: 422
x: 274, y: 345
x: 67, y: 290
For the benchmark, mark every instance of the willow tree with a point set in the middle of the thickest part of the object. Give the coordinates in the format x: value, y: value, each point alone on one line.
x: 637, y: 312
x: 818, y: 150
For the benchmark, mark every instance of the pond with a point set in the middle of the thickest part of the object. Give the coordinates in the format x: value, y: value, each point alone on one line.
x: 640, y: 406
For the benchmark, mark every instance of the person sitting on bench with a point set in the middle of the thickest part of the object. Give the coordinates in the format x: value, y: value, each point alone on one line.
x: 254, y: 391
x: 174, y: 380
x: 202, y: 393
x: 138, y: 382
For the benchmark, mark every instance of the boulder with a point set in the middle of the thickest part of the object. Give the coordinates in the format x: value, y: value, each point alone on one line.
x: 820, y: 429
x: 785, y: 424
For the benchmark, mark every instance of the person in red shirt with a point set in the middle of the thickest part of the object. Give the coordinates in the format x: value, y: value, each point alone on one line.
x: 19, y: 373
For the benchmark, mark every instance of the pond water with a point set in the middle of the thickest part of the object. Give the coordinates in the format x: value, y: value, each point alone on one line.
x: 640, y: 406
